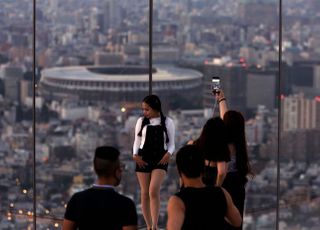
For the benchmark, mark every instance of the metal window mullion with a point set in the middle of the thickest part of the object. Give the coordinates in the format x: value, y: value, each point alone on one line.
x: 150, y: 43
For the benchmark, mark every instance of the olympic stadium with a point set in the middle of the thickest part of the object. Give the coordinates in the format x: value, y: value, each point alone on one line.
x: 112, y: 84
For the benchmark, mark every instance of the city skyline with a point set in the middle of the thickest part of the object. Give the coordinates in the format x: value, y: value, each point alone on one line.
x: 238, y: 41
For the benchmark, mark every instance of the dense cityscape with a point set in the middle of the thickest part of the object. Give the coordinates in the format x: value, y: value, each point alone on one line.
x: 91, y: 75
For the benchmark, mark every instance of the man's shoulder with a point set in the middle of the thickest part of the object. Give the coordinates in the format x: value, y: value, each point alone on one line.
x: 125, y: 199
x: 107, y: 195
x: 81, y: 194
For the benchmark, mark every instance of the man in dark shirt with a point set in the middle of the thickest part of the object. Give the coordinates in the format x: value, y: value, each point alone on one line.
x: 197, y: 206
x: 101, y: 207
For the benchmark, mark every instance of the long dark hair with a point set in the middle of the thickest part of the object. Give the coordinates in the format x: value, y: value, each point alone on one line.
x: 235, y: 125
x: 154, y: 102
x: 213, y: 140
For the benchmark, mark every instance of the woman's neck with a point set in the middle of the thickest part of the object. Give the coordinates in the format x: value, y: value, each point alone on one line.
x: 105, y: 181
x: 156, y: 116
x: 193, y: 183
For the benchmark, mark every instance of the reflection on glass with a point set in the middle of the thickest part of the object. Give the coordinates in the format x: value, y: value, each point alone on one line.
x: 16, y: 148
x: 300, y: 124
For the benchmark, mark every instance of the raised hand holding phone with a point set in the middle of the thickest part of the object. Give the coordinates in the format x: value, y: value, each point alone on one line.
x: 215, y: 85
x: 215, y: 89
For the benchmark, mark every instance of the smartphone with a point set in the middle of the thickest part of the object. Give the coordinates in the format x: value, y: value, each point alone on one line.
x: 215, y: 85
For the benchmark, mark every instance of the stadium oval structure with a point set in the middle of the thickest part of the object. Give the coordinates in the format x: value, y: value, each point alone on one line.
x: 118, y: 83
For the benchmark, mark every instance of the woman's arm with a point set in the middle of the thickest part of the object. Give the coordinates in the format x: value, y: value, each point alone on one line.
x: 170, y: 145
x: 69, y: 225
x: 222, y: 167
x: 171, y: 134
x: 221, y: 100
x: 232, y: 215
x: 176, y: 214
x: 136, y: 145
x: 137, y: 139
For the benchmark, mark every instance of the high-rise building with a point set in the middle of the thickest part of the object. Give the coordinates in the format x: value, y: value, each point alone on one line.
x: 254, y: 12
x: 299, y: 112
x: 12, y: 76
x: 301, y: 76
x: 112, y: 16
x: 233, y: 81
x: 261, y: 89
x: 301, y: 145
x: 26, y: 89
x: 316, y: 77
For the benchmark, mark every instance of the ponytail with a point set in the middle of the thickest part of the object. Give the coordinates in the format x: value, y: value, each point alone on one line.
x: 163, y: 124
x: 145, y: 122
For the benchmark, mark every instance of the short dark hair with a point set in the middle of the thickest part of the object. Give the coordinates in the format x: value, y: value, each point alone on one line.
x: 190, y: 161
x: 106, y: 161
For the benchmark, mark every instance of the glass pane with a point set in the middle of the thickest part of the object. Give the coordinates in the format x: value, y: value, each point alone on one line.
x: 237, y: 41
x: 16, y: 148
x: 92, y: 72
x: 300, y: 124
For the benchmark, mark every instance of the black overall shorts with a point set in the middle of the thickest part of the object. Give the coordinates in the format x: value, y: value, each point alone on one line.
x: 153, y: 149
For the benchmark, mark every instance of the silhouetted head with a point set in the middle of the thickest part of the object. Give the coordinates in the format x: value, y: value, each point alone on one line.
x: 190, y: 161
x: 106, y: 163
x: 213, y: 138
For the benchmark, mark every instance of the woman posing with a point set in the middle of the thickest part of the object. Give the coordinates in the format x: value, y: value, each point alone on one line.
x: 239, y: 168
x: 152, y: 148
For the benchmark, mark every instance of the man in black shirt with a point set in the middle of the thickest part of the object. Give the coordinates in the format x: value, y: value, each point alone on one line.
x: 197, y: 206
x: 101, y: 207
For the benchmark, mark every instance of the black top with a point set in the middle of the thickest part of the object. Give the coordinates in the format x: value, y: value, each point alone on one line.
x: 217, y: 156
x: 211, y: 153
x: 101, y: 208
x: 153, y: 148
x: 205, y: 208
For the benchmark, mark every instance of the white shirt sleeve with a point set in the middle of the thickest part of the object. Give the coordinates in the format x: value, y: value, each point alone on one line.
x: 137, y: 139
x: 171, y: 135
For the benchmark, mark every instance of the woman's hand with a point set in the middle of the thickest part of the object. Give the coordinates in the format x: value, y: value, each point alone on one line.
x: 165, y: 159
x: 191, y: 142
x: 220, y: 95
x: 138, y: 159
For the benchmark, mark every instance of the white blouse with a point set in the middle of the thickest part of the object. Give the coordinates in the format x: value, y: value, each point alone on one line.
x: 139, y: 141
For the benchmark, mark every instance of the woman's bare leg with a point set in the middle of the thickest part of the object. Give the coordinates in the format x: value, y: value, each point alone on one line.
x: 157, y: 177
x: 144, y: 181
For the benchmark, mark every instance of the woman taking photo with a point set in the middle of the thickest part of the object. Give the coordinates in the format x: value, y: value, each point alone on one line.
x: 152, y: 148
x: 239, y: 168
